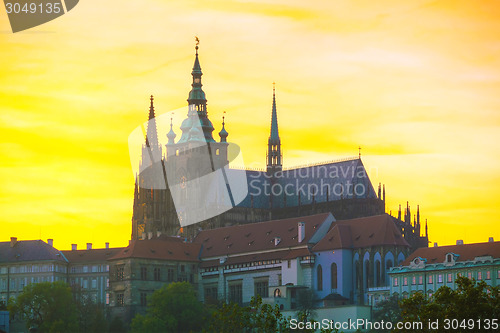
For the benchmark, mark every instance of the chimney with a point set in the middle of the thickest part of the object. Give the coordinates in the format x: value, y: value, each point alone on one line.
x: 107, y: 245
x: 13, y: 241
x: 143, y: 236
x: 89, y: 246
x: 73, y: 247
x: 50, y: 242
x: 277, y: 240
x: 460, y: 242
x: 491, y: 240
x: 302, y: 231
x: 150, y: 235
x: 435, y: 244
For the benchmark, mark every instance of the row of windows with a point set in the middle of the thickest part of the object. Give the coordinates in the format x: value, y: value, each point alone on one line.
x: 261, y: 287
x: 247, y: 264
x: 33, y: 269
x: 119, y: 273
x: 90, y: 269
x: 84, y: 283
x: 17, y: 284
x: 449, y: 278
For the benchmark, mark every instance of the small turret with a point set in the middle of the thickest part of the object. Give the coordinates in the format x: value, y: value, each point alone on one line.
x: 223, y: 133
x: 171, y: 134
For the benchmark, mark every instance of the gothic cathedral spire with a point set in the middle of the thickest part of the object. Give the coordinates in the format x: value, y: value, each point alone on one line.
x: 274, y: 143
x: 197, y: 100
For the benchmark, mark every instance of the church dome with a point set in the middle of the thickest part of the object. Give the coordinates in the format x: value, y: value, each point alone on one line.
x: 223, y: 133
x: 171, y: 135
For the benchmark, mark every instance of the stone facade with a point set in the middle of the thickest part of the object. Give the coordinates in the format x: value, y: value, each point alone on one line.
x: 143, y: 267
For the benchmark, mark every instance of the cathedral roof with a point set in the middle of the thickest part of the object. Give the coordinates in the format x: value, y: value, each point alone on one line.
x: 465, y: 252
x: 31, y: 250
x: 262, y: 236
x: 162, y: 248
x: 362, y: 232
x: 316, y: 183
x: 92, y: 255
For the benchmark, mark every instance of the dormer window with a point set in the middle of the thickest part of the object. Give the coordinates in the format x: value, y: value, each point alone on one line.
x: 449, y: 258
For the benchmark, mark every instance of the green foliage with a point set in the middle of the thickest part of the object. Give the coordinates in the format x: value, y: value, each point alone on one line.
x: 387, y: 311
x: 469, y: 301
x: 117, y: 326
x: 306, y: 299
x: 257, y: 317
x: 91, y: 316
x: 229, y: 318
x: 3, y: 306
x: 48, y: 307
x: 173, y: 308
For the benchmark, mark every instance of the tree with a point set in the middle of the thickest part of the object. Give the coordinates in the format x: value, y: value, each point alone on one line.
x: 91, y: 315
x: 387, y: 311
x: 117, y: 326
x: 47, y: 306
x: 469, y: 303
x: 173, y: 308
x: 257, y: 317
x: 306, y: 302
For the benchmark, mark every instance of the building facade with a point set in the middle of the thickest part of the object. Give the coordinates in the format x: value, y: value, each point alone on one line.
x: 339, y: 261
x: 26, y: 262
x: 88, y: 272
x: 144, y: 266
x: 428, y: 269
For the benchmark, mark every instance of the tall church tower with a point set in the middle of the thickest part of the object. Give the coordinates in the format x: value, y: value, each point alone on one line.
x: 274, y: 155
x: 192, y: 156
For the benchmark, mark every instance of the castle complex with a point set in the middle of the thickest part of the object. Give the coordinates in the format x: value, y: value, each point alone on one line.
x: 341, y: 188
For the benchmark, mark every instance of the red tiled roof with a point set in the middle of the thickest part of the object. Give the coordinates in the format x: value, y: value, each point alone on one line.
x: 292, y: 254
x: 258, y: 236
x: 465, y: 251
x: 161, y: 249
x: 90, y: 255
x: 360, y: 233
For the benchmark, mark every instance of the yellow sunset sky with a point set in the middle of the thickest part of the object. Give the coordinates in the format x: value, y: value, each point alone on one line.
x: 415, y: 83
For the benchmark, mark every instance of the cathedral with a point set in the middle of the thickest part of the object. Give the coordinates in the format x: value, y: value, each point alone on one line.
x: 341, y: 188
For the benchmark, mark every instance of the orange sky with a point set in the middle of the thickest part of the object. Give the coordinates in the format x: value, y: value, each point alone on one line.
x: 415, y: 83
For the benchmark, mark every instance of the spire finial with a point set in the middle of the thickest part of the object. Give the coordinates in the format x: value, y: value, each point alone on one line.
x: 359, y: 151
x: 223, y: 133
x: 197, y: 43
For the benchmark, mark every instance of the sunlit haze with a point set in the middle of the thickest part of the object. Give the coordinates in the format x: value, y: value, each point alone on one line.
x: 414, y: 83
